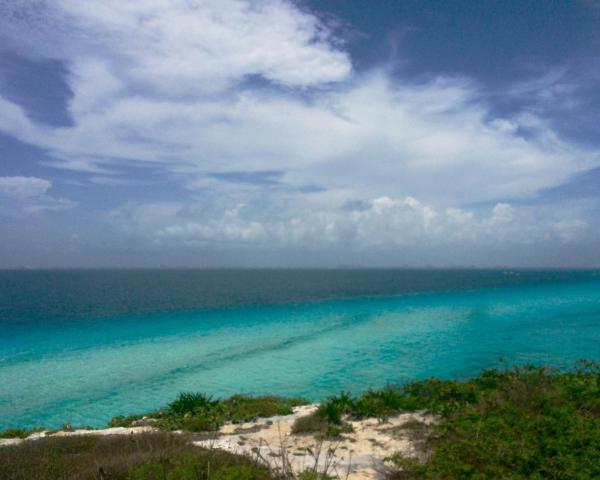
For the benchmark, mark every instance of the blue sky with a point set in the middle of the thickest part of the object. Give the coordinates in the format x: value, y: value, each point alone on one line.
x: 299, y: 133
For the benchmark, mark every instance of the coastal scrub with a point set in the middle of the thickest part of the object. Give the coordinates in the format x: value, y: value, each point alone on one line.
x: 197, y: 412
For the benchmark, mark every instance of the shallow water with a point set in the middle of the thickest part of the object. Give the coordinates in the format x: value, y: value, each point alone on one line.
x: 81, y: 347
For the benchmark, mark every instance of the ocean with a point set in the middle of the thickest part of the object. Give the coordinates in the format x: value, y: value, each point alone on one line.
x: 81, y: 346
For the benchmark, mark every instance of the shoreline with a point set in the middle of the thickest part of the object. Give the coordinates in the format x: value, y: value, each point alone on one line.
x: 528, y: 422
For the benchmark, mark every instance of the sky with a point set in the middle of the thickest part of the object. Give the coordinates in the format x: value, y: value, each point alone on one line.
x: 281, y: 133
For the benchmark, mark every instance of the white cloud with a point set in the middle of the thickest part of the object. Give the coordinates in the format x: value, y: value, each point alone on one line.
x: 433, y: 141
x: 49, y: 204
x: 188, y: 47
x: 23, y: 187
x: 197, y: 87
x: 382, y: 222
x: 28, y: 195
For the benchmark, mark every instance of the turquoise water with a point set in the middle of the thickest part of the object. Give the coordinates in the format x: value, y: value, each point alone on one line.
x: 81, y: 347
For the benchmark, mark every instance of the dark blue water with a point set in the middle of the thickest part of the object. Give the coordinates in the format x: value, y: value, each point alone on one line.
x: 83, y: 346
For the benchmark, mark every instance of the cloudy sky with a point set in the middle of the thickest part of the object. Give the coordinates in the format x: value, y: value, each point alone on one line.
x: 299, y: 133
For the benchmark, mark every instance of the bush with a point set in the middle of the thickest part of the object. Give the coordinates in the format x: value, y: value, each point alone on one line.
x: 529, y: 423
x: 15, y: 433
x: 337, y: 430
x: 202, y: 421
x: 189, y: 466
x: 190, y: 403
x: 198, y: 412
x: 335, y: 407
x: 245, y: 408
x: 313, y: 475
x: 123, y: 421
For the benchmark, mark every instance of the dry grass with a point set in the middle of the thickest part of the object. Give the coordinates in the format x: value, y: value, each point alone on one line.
x: 152, y: 456
x: 310, y: 424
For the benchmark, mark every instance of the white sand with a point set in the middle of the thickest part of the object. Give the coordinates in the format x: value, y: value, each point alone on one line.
x: 354, y: 456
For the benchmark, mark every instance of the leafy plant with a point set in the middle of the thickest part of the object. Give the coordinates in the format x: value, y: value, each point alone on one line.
x: 338, y: 430
x: 190, y: 402
x: 198, y: 412
x: 123, y: 421
x: 335, y: 407
x: 528, y: 423
x: 16, y: 433
x: 245, y: 408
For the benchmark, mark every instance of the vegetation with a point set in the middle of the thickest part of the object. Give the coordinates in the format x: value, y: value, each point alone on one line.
x: 17, y: 433
x: 124, y: 421
x: 152, y: 456
x: 310, y: 424
x: 197, y: 412
x: 317, y: 423
x: 328, y: 419
x: 529, y: 423
x: 522, y: 423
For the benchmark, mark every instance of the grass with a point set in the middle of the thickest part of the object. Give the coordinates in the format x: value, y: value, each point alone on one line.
x: 312, y: 423
x: 152, y: 456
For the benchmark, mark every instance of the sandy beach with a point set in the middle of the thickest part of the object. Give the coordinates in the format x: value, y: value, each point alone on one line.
x: 356, y: 455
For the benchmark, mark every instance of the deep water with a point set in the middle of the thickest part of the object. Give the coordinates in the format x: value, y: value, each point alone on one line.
x: 83, y: 346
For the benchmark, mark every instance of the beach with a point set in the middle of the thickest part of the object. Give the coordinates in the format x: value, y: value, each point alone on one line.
x: 358, y: 455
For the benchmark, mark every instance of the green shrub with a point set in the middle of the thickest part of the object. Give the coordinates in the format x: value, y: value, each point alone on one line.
x: 338, y: 430
x: 245, y: 408
x: 241, y: 472
x: 202, y: 421
x: 198, y: 412
x: 15, y: 433
x: 313, y: 475
x: 123, y: 421
x: 378, y: 403
x: 335, y: 407
x: 189, y: 403
x: 156, y: 470
x: 194, y: 466
x: 528, y: 423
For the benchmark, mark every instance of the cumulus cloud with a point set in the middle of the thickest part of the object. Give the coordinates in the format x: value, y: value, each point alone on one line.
x: 382, y: 222
x: 28, y: 195
x: 23, y: 187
